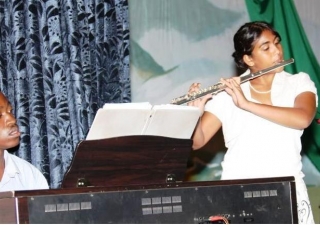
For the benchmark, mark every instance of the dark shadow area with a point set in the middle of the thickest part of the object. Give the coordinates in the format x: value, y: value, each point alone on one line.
x: 199, y: 159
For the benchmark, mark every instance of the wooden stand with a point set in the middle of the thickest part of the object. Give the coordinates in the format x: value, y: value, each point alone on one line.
x: 128, y: 160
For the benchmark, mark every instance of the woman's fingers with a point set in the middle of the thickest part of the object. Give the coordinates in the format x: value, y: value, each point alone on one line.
x: 194, y: 87
x: 231, y: 83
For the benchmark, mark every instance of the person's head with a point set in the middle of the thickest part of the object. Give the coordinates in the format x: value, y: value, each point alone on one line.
x: 9, y: 131
x: 257, y: 46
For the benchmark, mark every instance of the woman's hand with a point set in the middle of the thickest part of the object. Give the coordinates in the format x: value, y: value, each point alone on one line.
x: 199, y: 102
x: 234, y: 90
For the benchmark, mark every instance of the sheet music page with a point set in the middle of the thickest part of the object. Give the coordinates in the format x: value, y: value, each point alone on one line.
x: 125, y: 119
x: 119, y: 119
x: 176, y: 121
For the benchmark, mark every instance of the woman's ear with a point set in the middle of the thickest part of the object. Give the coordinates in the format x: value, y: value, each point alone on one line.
x: 248, y: 60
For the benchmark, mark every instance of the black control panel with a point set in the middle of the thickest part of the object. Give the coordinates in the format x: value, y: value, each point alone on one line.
x: 265, y: 202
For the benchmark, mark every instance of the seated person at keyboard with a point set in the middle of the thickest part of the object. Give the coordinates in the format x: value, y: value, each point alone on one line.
x: 15, y: 173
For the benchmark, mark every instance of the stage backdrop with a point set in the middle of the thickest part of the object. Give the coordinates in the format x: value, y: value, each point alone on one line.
x: 174, y: 43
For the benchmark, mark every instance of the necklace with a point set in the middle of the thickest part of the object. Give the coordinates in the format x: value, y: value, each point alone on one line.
x: 260, y: 92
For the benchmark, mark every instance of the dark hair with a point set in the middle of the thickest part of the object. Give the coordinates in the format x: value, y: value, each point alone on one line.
x: 245, y: 38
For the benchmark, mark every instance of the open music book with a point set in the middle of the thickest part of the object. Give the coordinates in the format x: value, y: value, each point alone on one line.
x: 125, y: 119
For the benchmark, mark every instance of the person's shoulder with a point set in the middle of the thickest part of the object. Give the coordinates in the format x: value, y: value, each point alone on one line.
x: 29, y: 175
x: 22, y: 164
x: 301, y: 82
x: 219, y: 100
x: 298, y: 77
x: 17, y: 159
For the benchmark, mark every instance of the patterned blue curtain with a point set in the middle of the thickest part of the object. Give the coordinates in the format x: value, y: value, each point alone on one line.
x: 61, y: 60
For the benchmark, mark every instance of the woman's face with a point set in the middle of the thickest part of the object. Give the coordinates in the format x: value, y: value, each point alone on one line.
x: 267, y: 52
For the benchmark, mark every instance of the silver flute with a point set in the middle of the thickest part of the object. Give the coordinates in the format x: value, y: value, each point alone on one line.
x: 214, y: 89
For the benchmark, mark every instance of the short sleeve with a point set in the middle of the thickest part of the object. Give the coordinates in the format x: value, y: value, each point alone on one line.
x: 217, y: 104
x: 304, y: 84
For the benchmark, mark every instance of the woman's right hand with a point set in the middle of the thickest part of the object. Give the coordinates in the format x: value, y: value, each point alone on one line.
x: 199, y: 102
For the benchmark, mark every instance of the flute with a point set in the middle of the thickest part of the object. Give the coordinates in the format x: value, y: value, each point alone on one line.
x: 214, y: 89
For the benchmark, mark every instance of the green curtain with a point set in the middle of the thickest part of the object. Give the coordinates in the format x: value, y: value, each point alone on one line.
x: 285, y: 19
